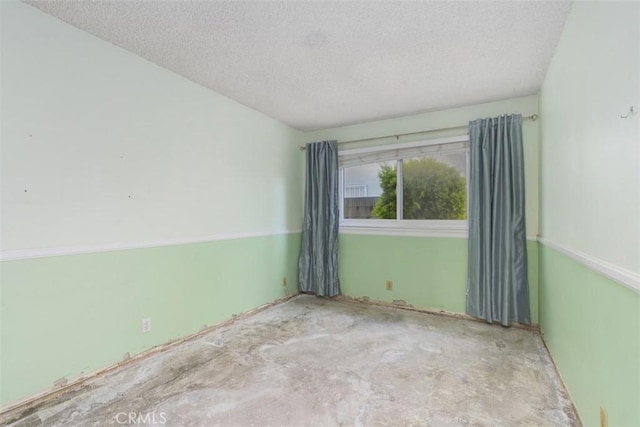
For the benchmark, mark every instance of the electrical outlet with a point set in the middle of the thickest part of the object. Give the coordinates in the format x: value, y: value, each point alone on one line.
x: 389, y: 285
x: 284, y: 281
x: 146, y: 324
x: 604, y: 418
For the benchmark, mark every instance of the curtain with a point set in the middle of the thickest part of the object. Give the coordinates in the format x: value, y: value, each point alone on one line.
x: 318, y: 261
x: 497, y: 284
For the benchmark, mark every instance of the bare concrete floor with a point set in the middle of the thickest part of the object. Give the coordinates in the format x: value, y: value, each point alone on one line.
x: 318, y: 362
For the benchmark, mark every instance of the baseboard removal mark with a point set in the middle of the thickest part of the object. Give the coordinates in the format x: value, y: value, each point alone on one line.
x: 564, y: 385
x: 403, y: 305
x: 59, y: 383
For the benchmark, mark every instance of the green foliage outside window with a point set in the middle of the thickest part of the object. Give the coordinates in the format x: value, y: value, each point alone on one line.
x: 431, y: 190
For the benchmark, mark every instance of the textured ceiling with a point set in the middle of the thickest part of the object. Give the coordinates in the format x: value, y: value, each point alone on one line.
x: 319, y: 64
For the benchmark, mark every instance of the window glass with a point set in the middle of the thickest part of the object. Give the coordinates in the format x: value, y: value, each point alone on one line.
x: 408, y: 186
x: 362, y: 189
x: 435, y: 187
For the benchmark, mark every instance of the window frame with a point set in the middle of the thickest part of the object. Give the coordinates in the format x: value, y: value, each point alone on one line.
x: 398, y: 226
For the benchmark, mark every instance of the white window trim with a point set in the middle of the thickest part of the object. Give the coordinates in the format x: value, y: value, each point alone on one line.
x: 423, y: 143
x: 417, y: 228
x: 400, y: 227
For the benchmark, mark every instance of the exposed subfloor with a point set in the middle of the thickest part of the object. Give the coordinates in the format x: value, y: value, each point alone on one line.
x: 316, y: 362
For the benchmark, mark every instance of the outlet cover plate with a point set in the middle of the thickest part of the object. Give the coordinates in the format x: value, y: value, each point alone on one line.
x: 146, y: 324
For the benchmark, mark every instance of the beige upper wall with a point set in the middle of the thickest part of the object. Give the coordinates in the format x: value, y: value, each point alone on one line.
x: 101, y: 148
x: 590, y: 157
x: 448, y: 118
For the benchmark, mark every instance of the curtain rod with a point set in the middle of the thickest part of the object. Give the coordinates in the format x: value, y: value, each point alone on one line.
x: 532, y: 117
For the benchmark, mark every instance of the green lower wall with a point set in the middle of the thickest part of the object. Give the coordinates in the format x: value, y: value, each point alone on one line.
x: 427, y: 272
x: 68, y: 315
x: 592, y: 328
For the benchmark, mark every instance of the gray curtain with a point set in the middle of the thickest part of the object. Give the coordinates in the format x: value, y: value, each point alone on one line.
x: 497, y: 284
x: 318, y: 262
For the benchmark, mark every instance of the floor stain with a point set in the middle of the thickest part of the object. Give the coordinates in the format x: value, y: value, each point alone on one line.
x: 318, y: 362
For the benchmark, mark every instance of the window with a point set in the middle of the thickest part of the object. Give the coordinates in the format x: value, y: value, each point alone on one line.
x: 360, y: 204
x: 415, y: 188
